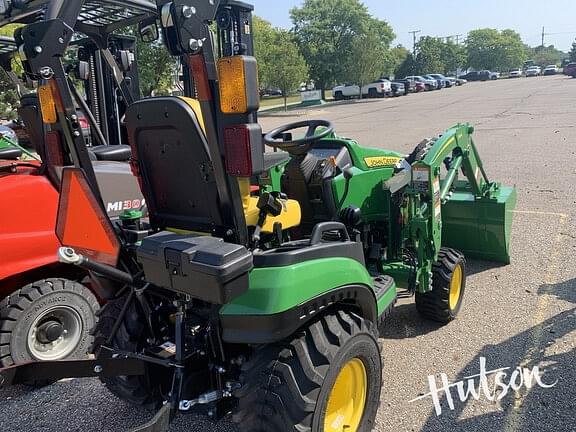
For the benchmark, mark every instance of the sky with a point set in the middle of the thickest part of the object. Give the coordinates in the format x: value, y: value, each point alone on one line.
x: 440, y: 18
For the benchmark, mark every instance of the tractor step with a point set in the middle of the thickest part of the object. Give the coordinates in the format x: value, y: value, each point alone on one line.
x: 386, y: 295
x: 382, y: 284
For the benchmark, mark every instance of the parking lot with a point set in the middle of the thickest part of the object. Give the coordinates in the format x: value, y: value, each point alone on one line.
x: 522, y: 315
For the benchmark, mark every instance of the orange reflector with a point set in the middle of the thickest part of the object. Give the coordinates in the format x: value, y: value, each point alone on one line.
x: 47, y: 104
x: 82, y: 224
x: 238, y: 83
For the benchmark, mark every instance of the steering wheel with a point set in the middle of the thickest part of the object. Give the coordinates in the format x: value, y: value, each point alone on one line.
x: 301, y: 145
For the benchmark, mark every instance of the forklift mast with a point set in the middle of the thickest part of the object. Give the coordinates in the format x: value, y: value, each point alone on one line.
x: 104, y: 97
x: 49, y: 31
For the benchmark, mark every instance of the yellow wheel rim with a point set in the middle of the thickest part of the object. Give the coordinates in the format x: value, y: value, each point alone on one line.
x: 455, y: 287
x: 347, y: 398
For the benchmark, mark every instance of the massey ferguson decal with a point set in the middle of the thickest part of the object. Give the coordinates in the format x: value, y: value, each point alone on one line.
x: 125, y: 205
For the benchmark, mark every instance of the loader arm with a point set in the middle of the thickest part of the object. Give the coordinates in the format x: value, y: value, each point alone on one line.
x: 472, y: 215
x: 457, y: 150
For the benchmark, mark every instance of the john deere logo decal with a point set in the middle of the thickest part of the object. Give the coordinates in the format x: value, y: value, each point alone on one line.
x: 381, y: 161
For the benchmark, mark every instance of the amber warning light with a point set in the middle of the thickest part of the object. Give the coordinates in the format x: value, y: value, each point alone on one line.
x: 82, y: 223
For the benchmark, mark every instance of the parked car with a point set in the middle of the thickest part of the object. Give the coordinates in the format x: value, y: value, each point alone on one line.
x: 457, y: 81
x: 551, y: 70
x: 398, y: 89
x: 515, y: 73
x: 271, y: 92
x: 476, y: 76
x: 420, y: 86
x: 409, y: 86
x: 380, y: 88
x: 430, y: 84
x: 569, y: 68
x: 533, y: 71
x: 493, y: 75
x: 440, y: 84
x: 447, y: 83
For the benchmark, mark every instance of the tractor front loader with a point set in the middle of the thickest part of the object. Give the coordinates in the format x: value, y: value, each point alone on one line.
x: 257, y: 285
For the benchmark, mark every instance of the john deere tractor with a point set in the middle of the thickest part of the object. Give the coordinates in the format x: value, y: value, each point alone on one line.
x: 258, y: 282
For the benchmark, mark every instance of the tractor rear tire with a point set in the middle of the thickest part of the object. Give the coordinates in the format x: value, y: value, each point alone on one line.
x: 143, y: 390
x: 443, y: 303
x: 47, y: 320
x: 326, y: 377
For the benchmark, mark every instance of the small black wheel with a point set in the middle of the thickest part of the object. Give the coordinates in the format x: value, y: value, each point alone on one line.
x: 142, y: 390
x: 47, y: 320
x: 443, y: 303
x: 372, y: 93
x: 326, y: 378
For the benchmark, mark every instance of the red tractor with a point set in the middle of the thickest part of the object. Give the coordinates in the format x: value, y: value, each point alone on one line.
x: 48, y: 309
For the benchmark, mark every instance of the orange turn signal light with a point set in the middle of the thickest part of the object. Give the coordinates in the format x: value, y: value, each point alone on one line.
x: 82, y: 223
x: 238, y: 82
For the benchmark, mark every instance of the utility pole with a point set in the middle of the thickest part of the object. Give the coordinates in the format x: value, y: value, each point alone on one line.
x: 543, y: 34
x: 414, y: 33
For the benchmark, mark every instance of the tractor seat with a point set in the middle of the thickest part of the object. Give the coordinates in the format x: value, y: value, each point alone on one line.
x: 10, y: 153
x: 113, y: 153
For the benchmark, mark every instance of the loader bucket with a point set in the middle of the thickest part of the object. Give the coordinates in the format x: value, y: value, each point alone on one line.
x: 479, y: 228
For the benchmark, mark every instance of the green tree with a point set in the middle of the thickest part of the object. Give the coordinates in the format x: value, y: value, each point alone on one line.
x: 429, y: 58
x: 573, y: 52
x: 495, y: 50
x: 407, y: 67
x: 9, y: 100
x: 367, y: 61
x: 394, y: 58
x: 454, y: 57
x: 289, y: 68
x: 544, y: 56
x: 264, y: 36
x: 156, y: 68
x: 326, y: 32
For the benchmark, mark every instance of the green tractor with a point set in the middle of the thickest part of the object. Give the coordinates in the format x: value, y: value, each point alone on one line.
x: 258, y: 283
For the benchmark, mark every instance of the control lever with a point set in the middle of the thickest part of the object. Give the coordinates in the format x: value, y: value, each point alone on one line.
x: 348, y: 174
x: 269, y: 203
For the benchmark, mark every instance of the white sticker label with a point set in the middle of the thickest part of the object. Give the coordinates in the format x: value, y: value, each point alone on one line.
x: 420, y: 175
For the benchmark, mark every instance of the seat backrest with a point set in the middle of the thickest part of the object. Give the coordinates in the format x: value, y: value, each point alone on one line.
x: 171, y: 159
x: 30, y: 113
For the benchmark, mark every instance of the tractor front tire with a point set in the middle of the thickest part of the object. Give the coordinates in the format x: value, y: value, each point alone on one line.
x: 443, y: 303
x: 326, y: 378
x: 142, y: 390
x: 47, y: 320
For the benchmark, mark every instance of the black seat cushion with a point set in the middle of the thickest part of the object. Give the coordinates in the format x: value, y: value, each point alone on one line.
x: 10, y: 153
x: 116, y: 153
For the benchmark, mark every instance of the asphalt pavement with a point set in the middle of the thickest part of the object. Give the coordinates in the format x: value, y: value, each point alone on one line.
x: 520, y: 315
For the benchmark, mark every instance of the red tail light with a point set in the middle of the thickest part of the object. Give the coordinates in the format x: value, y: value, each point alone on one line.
x: 240, y: 142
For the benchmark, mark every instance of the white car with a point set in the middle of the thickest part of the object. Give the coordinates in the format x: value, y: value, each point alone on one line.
x: 515, y: 73
x: 533, y: 71
x: 380, y: 88
x: 551, y: 70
